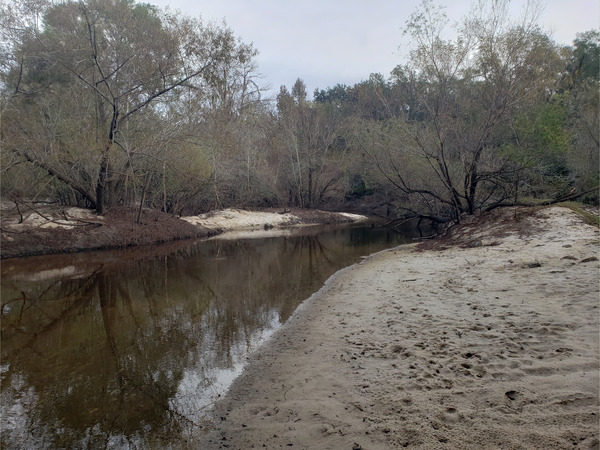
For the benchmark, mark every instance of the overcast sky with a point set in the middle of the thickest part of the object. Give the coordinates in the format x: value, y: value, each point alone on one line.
x: 325, y: 42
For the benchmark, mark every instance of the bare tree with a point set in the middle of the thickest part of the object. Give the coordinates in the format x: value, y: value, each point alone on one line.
x: 310, y: 137
x: 126, y: 57
x: 446, y: 153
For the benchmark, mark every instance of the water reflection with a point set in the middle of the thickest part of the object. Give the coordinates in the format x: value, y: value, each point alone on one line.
x: 129, y: 349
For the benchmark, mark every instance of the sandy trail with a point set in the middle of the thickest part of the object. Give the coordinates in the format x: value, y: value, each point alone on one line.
x: 491, y: 343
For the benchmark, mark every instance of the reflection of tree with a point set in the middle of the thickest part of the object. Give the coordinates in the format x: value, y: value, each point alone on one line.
x: 312, y: 258
x: 103, y: 361
x: 17, y: 334
x: 254, y: 282
x: 107, y: 356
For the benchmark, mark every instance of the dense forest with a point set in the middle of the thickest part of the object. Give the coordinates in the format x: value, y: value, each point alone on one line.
x: 112, y: 102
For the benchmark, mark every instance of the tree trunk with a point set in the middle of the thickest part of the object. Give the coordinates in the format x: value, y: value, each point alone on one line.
x: 143, y: 199
x: 102, y: 181
x: 310, y: 188
x: 102, y: 191
x: 164, y: 186
x: 88, y: 195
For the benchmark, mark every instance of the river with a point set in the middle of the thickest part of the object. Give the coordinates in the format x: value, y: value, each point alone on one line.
x: 130, y: 348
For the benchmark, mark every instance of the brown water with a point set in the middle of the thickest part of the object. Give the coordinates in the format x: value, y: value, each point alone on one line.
x: 129, y: 349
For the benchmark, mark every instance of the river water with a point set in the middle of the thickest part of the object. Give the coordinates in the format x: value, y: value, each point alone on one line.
x: 129, y: 349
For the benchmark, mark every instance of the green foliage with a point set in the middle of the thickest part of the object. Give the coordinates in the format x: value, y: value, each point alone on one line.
x: 337, y: 94
x: 126, y: 102
x: 358, y: 187
x: 544, y: 138
x: 98, y: 95
x: 585, y: 60
x: 588, y: 217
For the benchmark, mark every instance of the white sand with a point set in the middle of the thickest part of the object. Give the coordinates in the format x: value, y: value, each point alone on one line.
x: 495, y: 345
x: 67, y: 219
x: 242, y: 221
x: 237, y: 219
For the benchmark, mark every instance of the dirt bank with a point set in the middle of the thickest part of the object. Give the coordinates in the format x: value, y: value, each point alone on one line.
x: 51, y: 229
x: 486, y: 339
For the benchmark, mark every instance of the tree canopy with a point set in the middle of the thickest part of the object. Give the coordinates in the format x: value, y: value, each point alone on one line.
x: 113, y: 102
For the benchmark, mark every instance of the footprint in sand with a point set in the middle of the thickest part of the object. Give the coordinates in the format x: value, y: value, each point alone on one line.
x: 512, y: 395
x: 450, y: 415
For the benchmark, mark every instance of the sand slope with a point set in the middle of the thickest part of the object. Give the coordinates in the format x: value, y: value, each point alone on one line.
x: 492, y: 342
x: 233, y: 219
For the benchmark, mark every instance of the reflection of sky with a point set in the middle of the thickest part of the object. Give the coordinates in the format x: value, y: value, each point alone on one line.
x: 200, y: 387
x: 136, y: 353
x: 17, y: 402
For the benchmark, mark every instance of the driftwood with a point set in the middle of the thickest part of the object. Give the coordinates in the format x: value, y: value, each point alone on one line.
x: 401, y: 221
x: 565, y: 198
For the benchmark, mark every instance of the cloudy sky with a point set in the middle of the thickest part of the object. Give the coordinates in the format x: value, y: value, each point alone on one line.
x: 325, y: 42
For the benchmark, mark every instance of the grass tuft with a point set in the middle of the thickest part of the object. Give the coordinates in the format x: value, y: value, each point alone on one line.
x: 588, y: 216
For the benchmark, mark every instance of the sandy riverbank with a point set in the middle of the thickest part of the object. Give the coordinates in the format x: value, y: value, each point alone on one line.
x: 50, y: 229
x: 488, y: 339
x: 235, y: 220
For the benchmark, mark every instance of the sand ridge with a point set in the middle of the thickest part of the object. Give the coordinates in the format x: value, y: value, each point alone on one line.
x: 492, y: 342
x: 233, y: 219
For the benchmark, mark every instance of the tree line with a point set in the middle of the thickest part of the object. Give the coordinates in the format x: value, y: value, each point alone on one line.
x: 112, y: 102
